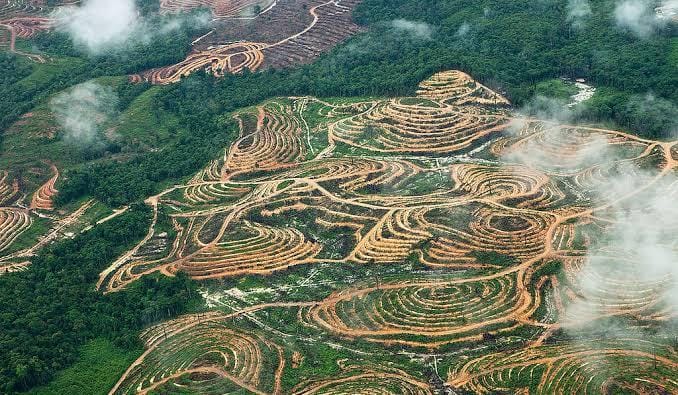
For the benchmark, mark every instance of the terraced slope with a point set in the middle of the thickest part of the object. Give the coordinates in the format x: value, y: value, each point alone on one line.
x: 22, y: 210
x: 24, y: 19
x: 265, y: 41
x: 487, y: 226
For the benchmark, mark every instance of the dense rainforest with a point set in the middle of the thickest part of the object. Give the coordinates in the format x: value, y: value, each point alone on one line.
x: 48, y: 312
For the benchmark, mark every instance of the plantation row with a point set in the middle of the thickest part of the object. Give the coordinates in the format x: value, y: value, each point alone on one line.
x: 437, y: 312
x: 313, y: 182
x: 397, y: 210
x: 8, y: 189
x: 371, y: 382
x: 201, y: 354
x: 330, y: 24
x: 450, y: 121
x: 9, y: 8
x: 231, y: 58
x: 620, y: 290
x: 18, y: 212
x: 460, y: 89
x: 630, y: 365
x: 13, y: 222
x: 42, y: 199
x: 202, y: 345
x: 227, y: 222
x: 276, y: 142
x: 25, y: 19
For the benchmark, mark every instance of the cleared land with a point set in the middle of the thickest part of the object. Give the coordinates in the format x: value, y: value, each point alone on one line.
x: 246, y: 34
x: 259, y: 34
x: 479, y: 204
x: 21, y: 212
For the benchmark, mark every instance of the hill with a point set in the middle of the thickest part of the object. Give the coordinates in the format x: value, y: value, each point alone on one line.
x: 338, y: 197
x: 422, y: 223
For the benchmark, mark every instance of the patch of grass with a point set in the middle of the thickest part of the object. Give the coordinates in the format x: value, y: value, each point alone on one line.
x: 495, y: 258
x: 556, y: 88
x: 101, y: 364
x: 143, y: 122
x: 45, y: 74
x: 30, y: 237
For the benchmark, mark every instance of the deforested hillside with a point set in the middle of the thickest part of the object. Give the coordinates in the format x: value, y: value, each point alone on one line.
x: 345, y: 197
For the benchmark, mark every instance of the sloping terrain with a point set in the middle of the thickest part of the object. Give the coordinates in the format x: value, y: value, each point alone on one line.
x: 437, y: 181
x: 355, y: 222
x: 282, y: 34
x: 23, y: 19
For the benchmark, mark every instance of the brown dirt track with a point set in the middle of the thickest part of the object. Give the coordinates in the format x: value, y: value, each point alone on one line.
x: 17, y: 216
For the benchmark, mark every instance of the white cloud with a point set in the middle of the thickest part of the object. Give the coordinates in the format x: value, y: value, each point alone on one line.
x: 638, y: 17
x: 578, y: 11
x: 418, y: 30
x: 668, y: 10
x: 463, y: 30
x: 632, y: 253
x: 536, y: 155
x: 179, y: 21
x: 83, y: 110
x: 102, y: 25
x: 637, y: 249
